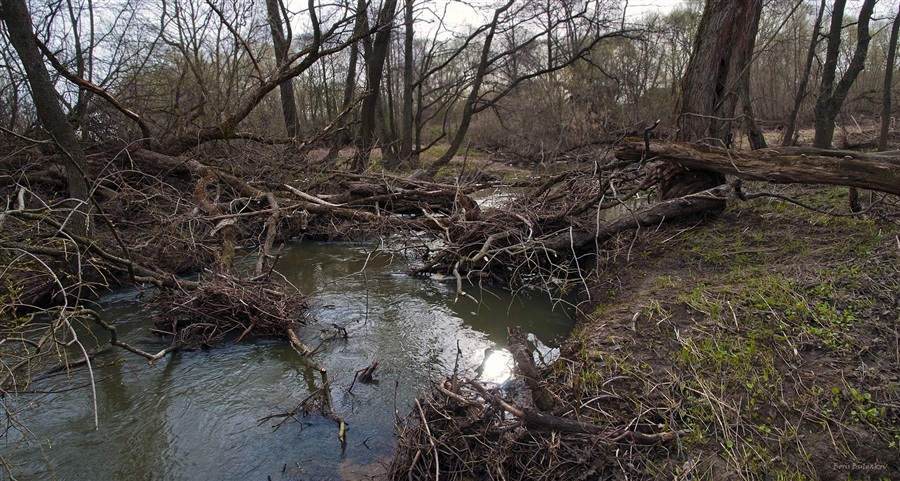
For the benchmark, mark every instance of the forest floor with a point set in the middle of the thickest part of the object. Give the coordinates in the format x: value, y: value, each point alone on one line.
x: 769, y: 332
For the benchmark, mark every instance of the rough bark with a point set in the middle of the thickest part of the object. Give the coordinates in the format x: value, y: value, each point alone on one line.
x: 722, y: 52
x: 831, y: 95
x: 802, y: 165
x: 17, y: 18
x: 709, y: 96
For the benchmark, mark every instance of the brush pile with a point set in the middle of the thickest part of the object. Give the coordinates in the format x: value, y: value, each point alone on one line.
x: 226, y: 305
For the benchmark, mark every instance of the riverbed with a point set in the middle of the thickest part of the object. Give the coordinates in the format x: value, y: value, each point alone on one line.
x: 199, y: 414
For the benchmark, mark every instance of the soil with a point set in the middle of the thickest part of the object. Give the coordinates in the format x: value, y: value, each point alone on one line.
x: 768, y: 331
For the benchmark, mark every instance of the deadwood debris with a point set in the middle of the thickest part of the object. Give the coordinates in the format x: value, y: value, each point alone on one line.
x: 474, y: 432
x: 159, y: 217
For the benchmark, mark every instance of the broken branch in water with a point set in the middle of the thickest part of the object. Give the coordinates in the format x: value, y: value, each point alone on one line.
x: 364, y: 375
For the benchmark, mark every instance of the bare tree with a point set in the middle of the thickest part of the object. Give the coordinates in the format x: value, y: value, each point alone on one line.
x: 709, y: 92
x: 791, y: 126
x: 585, y: 26
x: 406, y: 136
x: 282, y: 45
x: 374, y: 72
x: 832, y: 95
x: 17, y: 18
x: 722, y: 52
x: 888, y: 81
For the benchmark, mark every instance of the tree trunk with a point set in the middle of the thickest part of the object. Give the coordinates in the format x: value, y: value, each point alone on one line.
x: 888, y: 80
x: 280, y: 44
x: 709, y: 96
x: 17, y: 18
x: 361, y: 24
x: 831, y: 96
x: 374, y: 72
x: 406, y: 139
x: 474, y: 92
x: 227, y: 128
x: 801, y: 165
x: 515, y: 342
x: 754, y: 135
x: 722, y: 51
x: 791, y: 126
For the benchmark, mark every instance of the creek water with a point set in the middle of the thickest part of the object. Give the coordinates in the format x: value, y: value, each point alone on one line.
x: 196, y: 414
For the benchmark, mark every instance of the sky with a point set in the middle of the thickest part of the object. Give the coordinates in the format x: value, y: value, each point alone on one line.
x: 461, y: 13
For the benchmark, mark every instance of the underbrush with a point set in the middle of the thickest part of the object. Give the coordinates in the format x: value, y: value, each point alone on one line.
x: 769, y: 333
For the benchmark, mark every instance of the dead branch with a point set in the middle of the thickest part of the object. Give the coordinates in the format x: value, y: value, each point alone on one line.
x: 802, y: 165
x: 114, y: 337
x: 524, y: 359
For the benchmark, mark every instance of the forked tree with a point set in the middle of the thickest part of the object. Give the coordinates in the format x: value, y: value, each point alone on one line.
x: 710, y: 90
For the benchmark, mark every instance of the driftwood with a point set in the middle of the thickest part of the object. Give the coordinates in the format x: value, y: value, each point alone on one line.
x: 803, y: 165
x: 364, y: 375
x: 540, y: 396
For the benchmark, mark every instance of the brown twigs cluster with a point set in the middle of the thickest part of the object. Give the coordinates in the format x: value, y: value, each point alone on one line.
x: 226, y: 305
x: 474, y: 432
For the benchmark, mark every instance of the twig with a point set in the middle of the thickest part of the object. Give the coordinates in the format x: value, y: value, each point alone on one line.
x: 437, y: 464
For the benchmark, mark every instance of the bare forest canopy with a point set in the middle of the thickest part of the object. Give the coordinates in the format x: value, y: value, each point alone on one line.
x: 176, y: 75
x: 142, y: 141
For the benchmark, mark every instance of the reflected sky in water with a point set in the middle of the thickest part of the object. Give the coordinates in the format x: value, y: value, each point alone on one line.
x: 197, y: 415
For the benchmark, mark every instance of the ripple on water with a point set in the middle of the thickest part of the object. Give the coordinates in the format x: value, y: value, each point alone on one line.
x: 195, y: 415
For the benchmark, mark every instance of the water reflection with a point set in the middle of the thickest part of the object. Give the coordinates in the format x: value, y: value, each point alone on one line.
x: 497, y: 366
x: 195, y: 415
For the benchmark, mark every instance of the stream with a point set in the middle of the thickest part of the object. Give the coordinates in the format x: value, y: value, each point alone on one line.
x: 196, y: 414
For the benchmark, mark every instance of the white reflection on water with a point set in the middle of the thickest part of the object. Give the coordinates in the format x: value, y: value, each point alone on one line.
x: 497, y: 366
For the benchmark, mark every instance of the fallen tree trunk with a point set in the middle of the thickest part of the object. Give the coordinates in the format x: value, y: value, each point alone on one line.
x: 651, y: 214
x: 803, y: 165
x: 540, y: 396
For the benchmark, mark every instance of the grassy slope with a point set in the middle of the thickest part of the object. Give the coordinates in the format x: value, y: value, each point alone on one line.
x: 768, y: 331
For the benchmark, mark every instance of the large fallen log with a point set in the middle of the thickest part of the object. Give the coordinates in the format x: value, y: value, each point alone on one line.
x: 803, y: 165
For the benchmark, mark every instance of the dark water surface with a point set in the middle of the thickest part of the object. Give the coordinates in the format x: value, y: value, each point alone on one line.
x: 195, y: 415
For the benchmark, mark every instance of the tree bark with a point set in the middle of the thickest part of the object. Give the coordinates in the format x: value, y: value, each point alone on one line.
x: 791, y: 126
x: 286, y: 88
x: 754, y: 135
x: 359, y: 29
x: 540, y: 396
x: 722, y: 52
x: 888, y: 81
x: 17, y: 18
x: 374, y: 72
x: 709, y: 96
x: 406, y: 138
x: 802, y: 165
x: 831, y: 96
